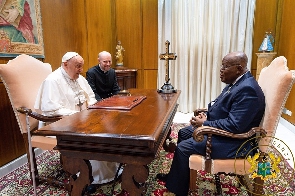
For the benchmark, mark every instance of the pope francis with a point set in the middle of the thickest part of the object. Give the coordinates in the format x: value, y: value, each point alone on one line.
x: 65, y: 92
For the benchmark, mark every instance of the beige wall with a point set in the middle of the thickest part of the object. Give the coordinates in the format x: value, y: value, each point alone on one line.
x: 286, y: 47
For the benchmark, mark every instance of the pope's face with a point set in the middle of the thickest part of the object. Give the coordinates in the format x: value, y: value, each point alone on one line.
x: 105, y: 62
x: 74, y: 67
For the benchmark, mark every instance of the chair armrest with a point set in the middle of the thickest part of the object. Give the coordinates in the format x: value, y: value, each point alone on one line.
x: 198, y: 111
x: 199, y: 133
x: 37, y: 116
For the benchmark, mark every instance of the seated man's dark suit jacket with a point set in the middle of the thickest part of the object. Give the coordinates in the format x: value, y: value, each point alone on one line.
x: 237, y: 110
x: 103, y: 84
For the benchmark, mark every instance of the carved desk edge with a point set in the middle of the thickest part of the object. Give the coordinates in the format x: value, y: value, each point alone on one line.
x: 165, y: 130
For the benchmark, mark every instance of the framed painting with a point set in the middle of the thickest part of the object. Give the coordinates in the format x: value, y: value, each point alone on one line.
x: 21, y: 28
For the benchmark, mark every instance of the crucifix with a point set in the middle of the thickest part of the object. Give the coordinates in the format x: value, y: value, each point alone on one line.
x: 167, y: 87
x: 80, y: 104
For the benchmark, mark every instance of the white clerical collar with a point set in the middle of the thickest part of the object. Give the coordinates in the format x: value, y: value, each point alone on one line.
x: 101, y: 69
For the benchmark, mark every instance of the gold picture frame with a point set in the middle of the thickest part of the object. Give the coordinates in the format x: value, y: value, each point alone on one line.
x: 21, y: 28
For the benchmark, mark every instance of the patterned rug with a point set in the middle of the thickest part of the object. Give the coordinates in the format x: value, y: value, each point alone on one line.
x: 18, y: 181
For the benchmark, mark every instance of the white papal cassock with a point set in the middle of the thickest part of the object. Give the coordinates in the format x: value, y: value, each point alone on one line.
x: 59, y: 95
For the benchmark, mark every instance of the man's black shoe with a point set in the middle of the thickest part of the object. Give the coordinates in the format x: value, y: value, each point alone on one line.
x: 91, y: 189
x: 162, y: 177
x: 171, y: 147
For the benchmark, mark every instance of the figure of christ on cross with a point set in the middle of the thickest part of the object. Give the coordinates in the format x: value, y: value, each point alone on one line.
x: 167, y: 87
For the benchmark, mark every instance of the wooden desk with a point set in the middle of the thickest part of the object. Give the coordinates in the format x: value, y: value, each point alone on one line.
x: 133, y: 137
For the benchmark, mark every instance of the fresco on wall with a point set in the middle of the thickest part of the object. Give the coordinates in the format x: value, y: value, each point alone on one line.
x: 20, y: 28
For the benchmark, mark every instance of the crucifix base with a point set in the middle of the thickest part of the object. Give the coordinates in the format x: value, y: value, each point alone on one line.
x: 167, y: 88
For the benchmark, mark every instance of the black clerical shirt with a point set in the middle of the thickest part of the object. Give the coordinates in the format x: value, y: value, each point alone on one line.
x: 103, y: 84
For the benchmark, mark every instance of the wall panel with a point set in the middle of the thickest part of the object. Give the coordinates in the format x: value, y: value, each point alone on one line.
x: 12, y: 144
x: 129, y: 31
x: 150, y: 44
x: 265, y: 20
x: 100, y: 24
x: 150, y: 79
x: 150, y: 35
x: 277, y: 16
x: 64, y: 29
x: 90, y: 26
x: 287, y: 48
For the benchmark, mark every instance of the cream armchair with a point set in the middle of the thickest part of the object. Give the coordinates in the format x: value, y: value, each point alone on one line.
x: 276, y: 82
x: 22, y: 78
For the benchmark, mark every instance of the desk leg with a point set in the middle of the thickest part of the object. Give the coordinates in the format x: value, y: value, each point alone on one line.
x: 73, y: 166
x: 133, y: 179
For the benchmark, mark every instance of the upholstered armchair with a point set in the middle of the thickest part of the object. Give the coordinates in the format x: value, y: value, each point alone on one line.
x: 276, y: 82
x: 22, y: 78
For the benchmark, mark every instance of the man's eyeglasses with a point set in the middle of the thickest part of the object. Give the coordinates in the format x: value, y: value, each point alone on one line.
x: 223, y: 67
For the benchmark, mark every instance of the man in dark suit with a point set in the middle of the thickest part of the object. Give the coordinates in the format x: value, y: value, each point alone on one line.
x: 237, y: 109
